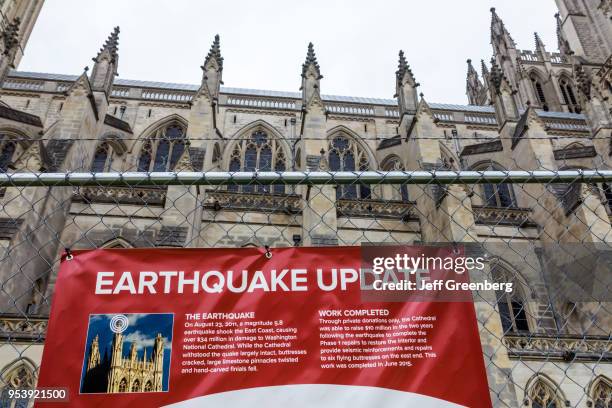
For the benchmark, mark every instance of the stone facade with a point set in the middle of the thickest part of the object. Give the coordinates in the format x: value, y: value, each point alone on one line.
x: 116, y: 373
x: 527, y: 110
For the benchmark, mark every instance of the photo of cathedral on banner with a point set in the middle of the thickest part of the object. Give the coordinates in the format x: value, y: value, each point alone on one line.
x: 108, y: 369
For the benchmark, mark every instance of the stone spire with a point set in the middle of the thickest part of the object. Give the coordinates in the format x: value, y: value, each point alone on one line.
x: 133, y: 352
x: 311, y: 79
x: 214, y: 55
x: 105, y: 64
x: 502, y: 95
x: 111, y: 45
x: 474, y: 87
x: 94, y: 354
x: 311, y: 61
x: 500, y: 37
x: 10, y: 46
x: 405, y: 86
x: 117, y: 350
x: 539, y: 44
x: 540, y: 48
x: 212, y: 76
x: 484, y: 71
x: 562, y: 43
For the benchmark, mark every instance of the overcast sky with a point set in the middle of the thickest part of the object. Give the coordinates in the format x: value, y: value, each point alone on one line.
x: 264, y: 41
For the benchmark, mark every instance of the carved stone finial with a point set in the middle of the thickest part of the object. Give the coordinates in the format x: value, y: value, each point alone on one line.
x: 496, y: 76
x: 311, y: 61
x: 212, y: 76
x: 10, y: 36
x: 403, y: 69
x: 484, y: 69
x: 498, y: 30
x: 214, y: 54
x: 583, y: 81
x: 471, y: 69
x: 111, y: 45
x: 539, y: 44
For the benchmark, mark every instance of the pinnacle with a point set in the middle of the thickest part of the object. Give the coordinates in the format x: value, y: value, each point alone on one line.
x: 484, y: 69
x: 215, y: 53
x: 403, y: 68
x: 498, y: 29
x: 311, y: 59
x: 471, y: 70
x: 111, y: 44
x: 538, y: 41
x: 494, y: 17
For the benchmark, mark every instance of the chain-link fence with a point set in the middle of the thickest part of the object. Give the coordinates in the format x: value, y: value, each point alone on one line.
x: 545, y: 344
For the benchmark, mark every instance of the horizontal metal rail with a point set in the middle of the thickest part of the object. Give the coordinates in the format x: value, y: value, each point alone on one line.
x: 302, y: 177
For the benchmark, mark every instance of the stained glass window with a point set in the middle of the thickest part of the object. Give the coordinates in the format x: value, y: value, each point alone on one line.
x: 344, y: 155
x: 166, y: 146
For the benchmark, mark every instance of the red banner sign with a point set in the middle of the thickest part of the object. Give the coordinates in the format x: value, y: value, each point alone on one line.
x: 232, y: 328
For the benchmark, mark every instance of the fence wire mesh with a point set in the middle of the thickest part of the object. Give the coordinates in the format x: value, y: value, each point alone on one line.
x: 544, y: 345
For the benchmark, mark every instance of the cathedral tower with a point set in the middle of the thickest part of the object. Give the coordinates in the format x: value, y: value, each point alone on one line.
x: 158, y: 362
x: 94, y: 354
x: 26, y: 11
x: 586, y: 28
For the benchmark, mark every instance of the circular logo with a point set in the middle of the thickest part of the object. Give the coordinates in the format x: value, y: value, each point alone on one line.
x: 118, y: 323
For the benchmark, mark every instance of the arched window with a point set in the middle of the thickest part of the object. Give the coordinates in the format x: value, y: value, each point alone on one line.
x: 148, y: 386
x: 512, y: 306
x: 123, y: 385
x: 117, y: 243
x: 539, y: 91
x: 544, y: 394
x: 346, y: 155
x: 135, y: 386
x: 162, y: 150
x: 601, y: 394
x: 399, y: 191
x: 7, y: 149
x: 19, y: 375
x: 102, y: 158
x: 259, y: 152
x: 498, y: 195
x: 569, y: 96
